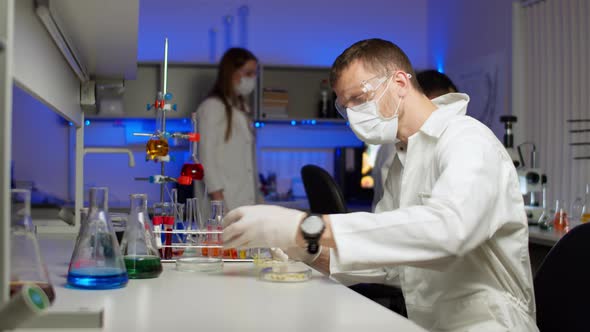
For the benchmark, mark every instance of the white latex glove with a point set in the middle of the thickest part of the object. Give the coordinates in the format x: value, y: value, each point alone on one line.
x: 261, y: 226
x: 296, y: 254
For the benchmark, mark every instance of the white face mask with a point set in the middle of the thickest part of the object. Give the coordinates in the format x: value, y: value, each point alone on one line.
x: 370, y: 126
x: 246, y: 86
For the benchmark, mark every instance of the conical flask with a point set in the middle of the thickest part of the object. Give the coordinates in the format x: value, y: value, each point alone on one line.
x: 97, y: 262
x: 139, y: 248
x: 26, y: 263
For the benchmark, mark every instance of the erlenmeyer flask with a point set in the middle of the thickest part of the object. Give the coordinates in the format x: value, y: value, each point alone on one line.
x: 97, y: 262
x: 139, y: 248
x: 586, y: 208
x: 26, y: 264
x: 561, y: 219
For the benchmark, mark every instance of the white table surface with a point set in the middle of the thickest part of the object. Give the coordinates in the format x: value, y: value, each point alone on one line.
x: 234, y: 300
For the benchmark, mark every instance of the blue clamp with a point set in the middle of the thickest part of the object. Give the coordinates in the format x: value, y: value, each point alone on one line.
x: 149, y: 107
x: 174, y: 107
x: 168, y: 96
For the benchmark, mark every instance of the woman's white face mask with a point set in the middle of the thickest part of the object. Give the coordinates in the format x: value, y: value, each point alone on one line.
x: 369, y: 125
x: 246, y: 86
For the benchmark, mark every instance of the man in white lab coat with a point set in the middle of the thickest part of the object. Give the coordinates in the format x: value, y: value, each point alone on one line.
x: 451, y: 227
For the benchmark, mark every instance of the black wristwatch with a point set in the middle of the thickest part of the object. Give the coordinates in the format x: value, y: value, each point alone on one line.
x: 312, y: 228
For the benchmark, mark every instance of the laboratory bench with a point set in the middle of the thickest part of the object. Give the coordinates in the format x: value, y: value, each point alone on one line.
x: 232, y: 300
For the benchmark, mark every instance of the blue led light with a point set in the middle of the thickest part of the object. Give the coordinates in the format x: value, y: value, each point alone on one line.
x: 87, y: 122
x: 184, y: 120
x: 71, y: 124
x: 257, y: 124
x: 313, y: 122
x: 293, y: 122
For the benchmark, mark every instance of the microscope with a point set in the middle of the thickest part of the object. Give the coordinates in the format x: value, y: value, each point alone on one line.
x: 531, y: 179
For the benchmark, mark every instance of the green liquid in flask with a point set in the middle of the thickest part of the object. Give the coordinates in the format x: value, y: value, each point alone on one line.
x: 143, y: 267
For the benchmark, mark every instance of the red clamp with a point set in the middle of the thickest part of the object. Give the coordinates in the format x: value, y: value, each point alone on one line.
x: 194, y: 137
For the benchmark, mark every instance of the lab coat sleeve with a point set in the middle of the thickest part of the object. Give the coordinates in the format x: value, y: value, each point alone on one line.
x: 453, y: 221
x: 212, y: 124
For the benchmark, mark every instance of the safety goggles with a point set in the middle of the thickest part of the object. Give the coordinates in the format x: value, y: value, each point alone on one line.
x: 364, y: 93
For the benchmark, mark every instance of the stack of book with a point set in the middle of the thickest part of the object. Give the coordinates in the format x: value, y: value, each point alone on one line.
x: 275, y: 103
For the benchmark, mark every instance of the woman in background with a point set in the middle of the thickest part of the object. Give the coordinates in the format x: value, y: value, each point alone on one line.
x: 227, y: 144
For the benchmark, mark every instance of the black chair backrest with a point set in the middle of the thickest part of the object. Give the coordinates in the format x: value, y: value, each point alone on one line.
x: 562, y: 283
x: 323, y: 193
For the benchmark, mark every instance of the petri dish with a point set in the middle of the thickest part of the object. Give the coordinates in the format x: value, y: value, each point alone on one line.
x: 199, y: 264
x: 286, y: 272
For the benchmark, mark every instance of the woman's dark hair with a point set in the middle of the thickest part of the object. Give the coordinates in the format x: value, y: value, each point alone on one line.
x: 232, y: 60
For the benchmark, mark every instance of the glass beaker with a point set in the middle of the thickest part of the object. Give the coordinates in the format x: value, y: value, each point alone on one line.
x: 97, y: 262
x: 560, y: 220
x: 140, y: 251
x: 26, y: 264
x: 156, y: 147
x: 586, y: 209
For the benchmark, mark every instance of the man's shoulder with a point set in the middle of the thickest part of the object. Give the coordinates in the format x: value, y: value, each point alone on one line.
x: 464, y: 127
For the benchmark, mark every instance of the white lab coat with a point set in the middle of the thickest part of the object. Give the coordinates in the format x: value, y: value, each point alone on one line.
x: 229, y: 166
x: 382, y: 165
x: 451, y: 226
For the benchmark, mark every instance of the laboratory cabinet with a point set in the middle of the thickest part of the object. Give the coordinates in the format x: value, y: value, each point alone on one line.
x: 300, y: 88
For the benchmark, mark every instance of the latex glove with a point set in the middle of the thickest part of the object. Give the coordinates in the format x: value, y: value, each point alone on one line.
x: 278, y: 255
x: 295, y: 253
x: 261, y: 226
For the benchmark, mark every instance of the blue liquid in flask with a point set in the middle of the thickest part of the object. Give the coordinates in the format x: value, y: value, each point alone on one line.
x: 97, y: 278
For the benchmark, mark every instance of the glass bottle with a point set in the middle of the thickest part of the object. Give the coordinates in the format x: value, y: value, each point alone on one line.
x: 26, y: 264
x: 97, y: 262
x: 586, y: 209
x: 140, y: 251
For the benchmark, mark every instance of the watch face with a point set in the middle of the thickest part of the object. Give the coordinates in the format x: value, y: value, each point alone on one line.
x: 312, y: 225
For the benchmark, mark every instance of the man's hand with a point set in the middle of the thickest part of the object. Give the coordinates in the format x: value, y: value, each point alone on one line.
x: 261, y: 226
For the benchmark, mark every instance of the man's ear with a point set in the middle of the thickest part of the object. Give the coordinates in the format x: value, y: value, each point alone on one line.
x: 402, y: 81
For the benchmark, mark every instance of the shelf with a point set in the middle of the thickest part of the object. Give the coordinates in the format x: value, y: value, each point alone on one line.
x: 298, y: 121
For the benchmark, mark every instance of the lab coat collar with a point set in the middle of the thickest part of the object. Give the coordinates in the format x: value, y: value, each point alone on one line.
x: 449, y: 105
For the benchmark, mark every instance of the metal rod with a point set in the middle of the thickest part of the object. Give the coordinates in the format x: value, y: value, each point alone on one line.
x: 582, y: 158
x: 580, y: 131
x: 143, y: 134
x: 580, y: 143
x: 6, y: 79
x: 165, y: 83
x: 165, y: 65
x: 578, y: 120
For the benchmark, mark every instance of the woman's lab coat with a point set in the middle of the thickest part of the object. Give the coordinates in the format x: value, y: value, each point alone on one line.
x: 451, y: 229
x: 229, y: 166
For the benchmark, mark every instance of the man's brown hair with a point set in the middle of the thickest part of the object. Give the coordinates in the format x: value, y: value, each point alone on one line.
x: 378, y: 55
